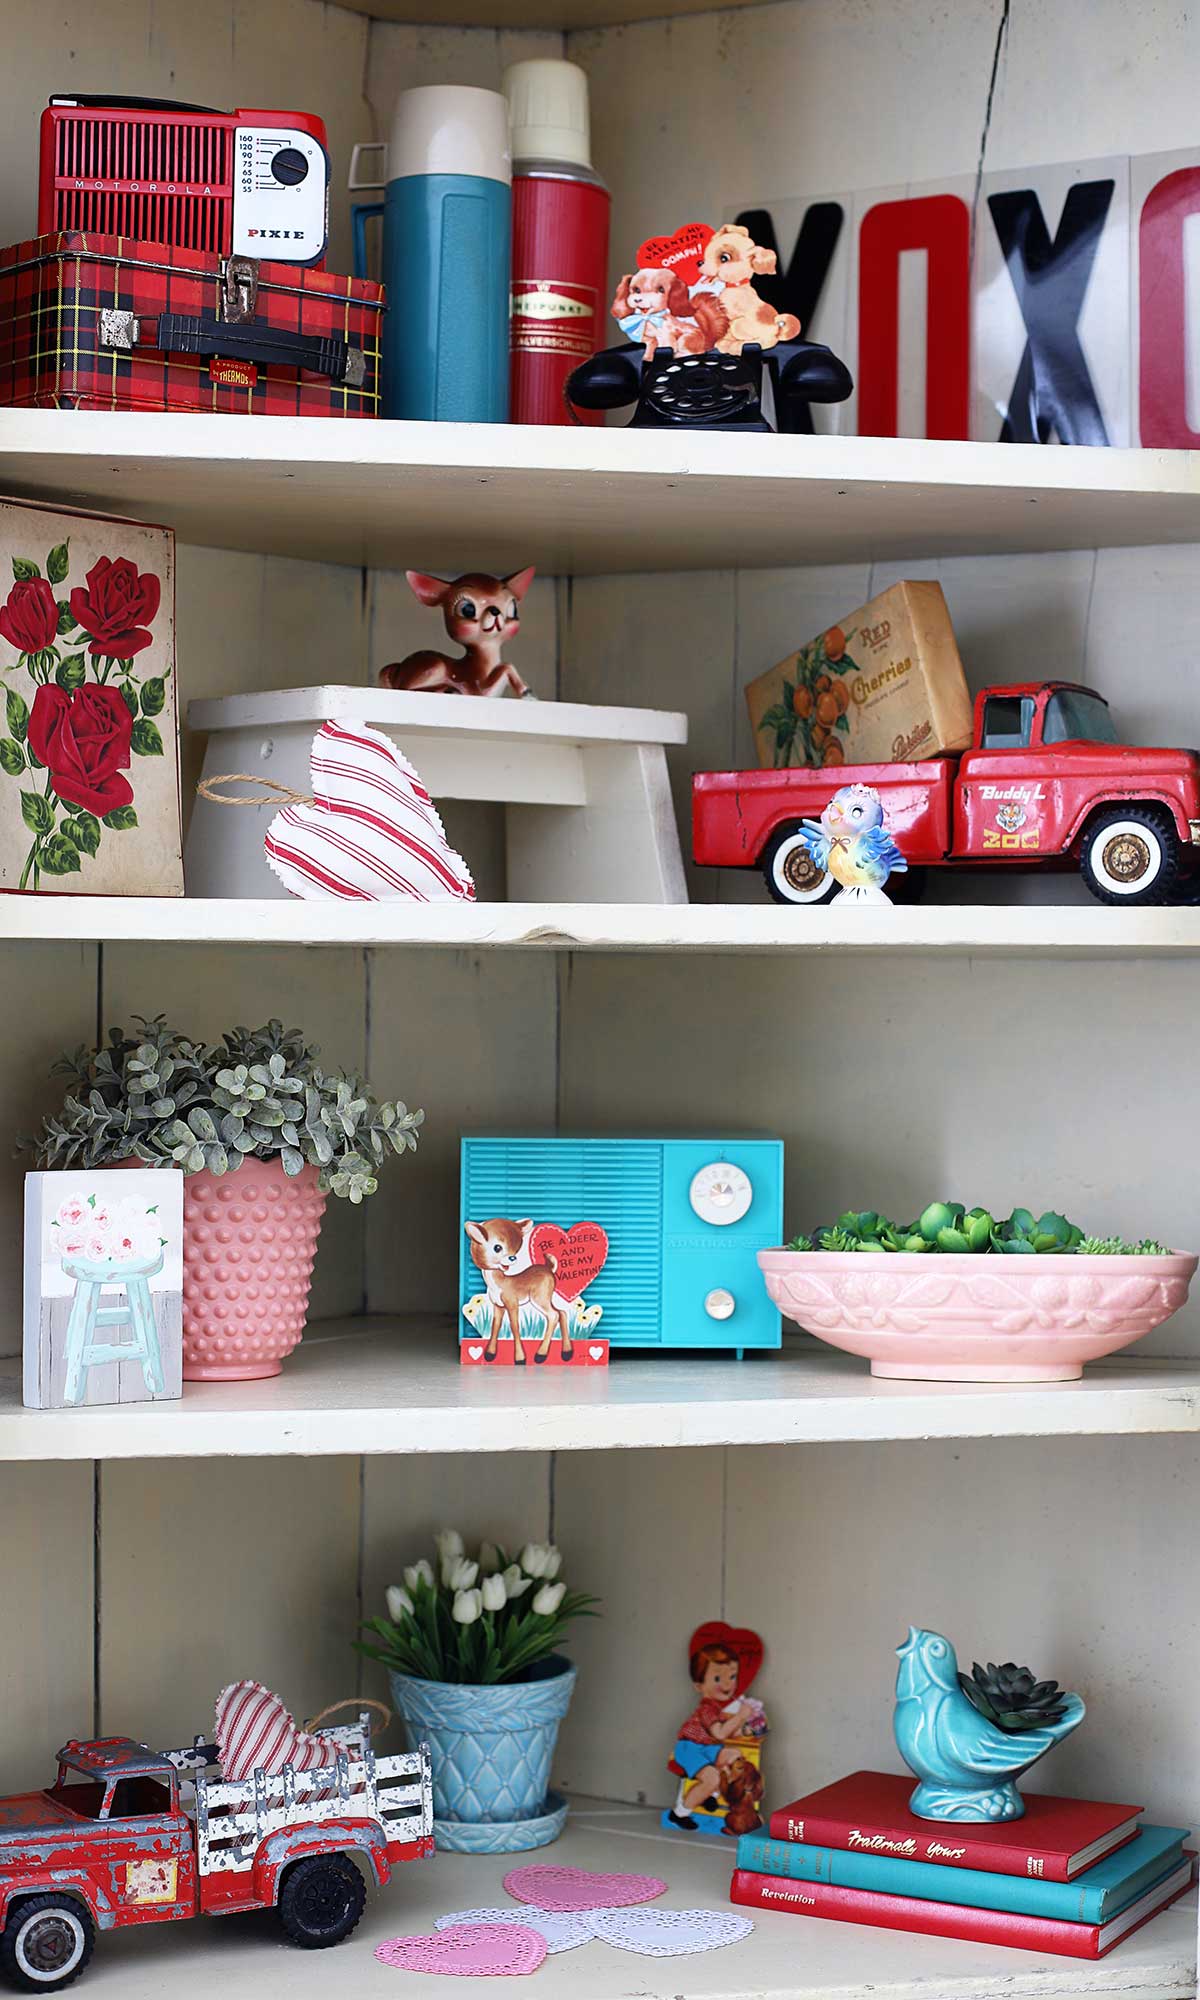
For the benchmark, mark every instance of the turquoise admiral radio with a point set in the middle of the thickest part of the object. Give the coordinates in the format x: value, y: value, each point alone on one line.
x: 572, y: 1246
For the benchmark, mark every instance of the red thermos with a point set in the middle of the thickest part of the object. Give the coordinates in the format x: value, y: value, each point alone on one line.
x: 560, y: 209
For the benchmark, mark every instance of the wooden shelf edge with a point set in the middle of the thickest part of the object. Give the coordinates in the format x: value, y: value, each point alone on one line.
x: 388, y: 1387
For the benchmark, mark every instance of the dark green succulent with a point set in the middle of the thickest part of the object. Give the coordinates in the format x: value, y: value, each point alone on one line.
x: 1050, y: 1232
x: 1012, y: 1698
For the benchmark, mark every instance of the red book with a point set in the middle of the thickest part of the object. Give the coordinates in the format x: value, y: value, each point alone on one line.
x: 910, y: 1913
x: 868, y: 1812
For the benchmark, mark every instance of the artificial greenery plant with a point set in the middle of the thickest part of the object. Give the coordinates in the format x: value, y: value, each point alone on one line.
x: 154, y: 1095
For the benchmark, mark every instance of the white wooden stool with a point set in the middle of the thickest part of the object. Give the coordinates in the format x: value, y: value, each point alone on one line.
x: 589, y: 820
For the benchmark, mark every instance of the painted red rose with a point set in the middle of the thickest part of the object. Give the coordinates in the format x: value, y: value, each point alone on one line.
x: 29, y: 619
x: 118, y: 604
x: 83, y: 740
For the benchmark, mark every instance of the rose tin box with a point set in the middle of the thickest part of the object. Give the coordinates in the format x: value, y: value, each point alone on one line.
x: 89, y: 746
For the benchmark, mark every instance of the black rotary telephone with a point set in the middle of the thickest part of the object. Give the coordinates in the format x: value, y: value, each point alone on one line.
x: 713, y: 391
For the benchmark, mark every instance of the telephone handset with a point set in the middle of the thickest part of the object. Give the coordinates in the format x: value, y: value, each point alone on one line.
x: 713, y: 391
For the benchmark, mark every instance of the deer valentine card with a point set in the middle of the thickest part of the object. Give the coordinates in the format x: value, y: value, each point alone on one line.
x: 531, y: 1309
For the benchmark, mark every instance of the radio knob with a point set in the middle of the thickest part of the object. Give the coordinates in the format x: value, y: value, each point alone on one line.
x: 720, y: 1193
x: 720, y: 1304
x: 289, y: 166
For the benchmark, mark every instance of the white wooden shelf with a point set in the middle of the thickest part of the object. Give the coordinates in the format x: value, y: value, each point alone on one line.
x: 954, y: 931
x: 785, y: 1958
x: 385, y: 1386
x: 564, y: 14
x: 590, y: 501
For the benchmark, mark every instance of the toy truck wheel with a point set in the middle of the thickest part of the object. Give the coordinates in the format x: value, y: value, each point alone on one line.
x: 321, y: 1900
x: 790, y: 872
x: 1131, y: 855
x: 46, y: 1943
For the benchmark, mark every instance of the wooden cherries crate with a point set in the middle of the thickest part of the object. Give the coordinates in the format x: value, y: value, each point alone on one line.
x: 589, y: 813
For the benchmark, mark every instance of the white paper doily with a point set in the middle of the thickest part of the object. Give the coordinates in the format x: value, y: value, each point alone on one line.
x: 658, y: 1933
x: 563, y: 1930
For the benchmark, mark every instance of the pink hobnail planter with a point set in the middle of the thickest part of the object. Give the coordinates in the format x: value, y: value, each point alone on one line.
x: 976, y: 1319
x: 249, y: 1240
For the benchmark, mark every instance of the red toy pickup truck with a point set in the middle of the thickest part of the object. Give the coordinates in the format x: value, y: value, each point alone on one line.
x: 1046, y: 780
x: 110, y: 1843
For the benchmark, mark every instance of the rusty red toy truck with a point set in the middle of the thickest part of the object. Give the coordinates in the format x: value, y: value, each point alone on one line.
x: 114, y: 1841
x: 1046, y: 781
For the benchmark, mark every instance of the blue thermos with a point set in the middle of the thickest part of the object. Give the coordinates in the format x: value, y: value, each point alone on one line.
x: 446, y: 254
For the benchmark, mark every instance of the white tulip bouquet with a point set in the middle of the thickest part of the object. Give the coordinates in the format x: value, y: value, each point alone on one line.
x: 475, y: 1621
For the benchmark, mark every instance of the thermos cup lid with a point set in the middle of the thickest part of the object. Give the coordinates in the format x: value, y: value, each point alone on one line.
x: 450, y: 128
x: 548, y: 109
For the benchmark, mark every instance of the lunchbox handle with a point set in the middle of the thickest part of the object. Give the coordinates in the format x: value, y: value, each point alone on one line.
x: 247, y: 340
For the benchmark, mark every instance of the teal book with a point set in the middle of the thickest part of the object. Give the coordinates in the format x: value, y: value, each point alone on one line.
x: 1091, y: 1898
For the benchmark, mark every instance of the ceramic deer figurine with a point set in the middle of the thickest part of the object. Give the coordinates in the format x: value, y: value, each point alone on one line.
x: 482, y: 613
x: 500, y: 1251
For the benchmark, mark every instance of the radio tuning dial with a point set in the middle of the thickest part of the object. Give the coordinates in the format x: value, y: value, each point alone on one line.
x: 289, y: 166
x: 720, y: 1193
x: 720, y: 1304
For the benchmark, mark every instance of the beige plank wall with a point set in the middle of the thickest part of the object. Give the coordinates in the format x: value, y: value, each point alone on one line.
x: 696, y: 117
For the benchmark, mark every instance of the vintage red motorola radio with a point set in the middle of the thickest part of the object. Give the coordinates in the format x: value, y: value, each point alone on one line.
x: 180, y: 265
x: 239, y: 183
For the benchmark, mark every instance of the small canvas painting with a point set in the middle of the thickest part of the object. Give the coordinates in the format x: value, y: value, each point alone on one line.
x: 103, y: 1287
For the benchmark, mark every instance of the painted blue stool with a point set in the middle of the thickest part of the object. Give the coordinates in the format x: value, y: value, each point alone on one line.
x: 137, y: 1311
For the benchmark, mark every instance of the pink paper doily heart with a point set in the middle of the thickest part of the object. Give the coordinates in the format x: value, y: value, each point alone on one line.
x: 579, y: 1888
x: 469, y: 1951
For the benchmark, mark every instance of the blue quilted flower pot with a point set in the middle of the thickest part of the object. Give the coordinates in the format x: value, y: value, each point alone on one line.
x: 491, y: 1747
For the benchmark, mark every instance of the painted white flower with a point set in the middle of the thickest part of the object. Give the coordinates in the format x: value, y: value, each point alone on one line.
x: 418, y: 1572
x: 489, y: 1559
x: 448, y: 1543
x: 495, y: 1597
x: 536, y: 1558
x: 548, y: 1599
x: 73, y: 1243
x: 99, y: 1215
x: 399, y: 1603
x: 515, y: 1584
x: 467, y: 1607
x: 459, y: 1574
x: 123, y: 1248
x: 72, y: 1212
x: 96, y: 1246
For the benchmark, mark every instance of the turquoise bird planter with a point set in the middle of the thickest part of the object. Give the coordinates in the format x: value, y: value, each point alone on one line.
x: 966, y: 1764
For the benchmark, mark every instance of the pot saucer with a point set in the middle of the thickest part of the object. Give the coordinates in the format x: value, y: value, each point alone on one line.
x: 503, y: 1836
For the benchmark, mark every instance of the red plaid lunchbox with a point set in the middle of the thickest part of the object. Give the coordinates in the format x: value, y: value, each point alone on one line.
x: 109, y: 323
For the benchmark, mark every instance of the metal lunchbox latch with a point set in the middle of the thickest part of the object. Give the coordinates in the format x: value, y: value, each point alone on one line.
x: 239, y: 289
x: 119, y: 329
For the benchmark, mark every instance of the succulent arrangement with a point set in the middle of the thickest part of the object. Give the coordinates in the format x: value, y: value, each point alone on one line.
x: 476, y: 1621
x: 949, y: 1227
x: 155, y: 1096
x: 1013, y: 1698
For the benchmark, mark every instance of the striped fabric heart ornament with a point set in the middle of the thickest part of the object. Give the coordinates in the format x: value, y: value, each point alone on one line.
x: 255, y: 1732
x: 371, y: 833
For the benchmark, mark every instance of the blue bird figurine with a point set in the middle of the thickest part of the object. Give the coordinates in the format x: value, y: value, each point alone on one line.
x: 852, y: 842
x: 966, y: 1763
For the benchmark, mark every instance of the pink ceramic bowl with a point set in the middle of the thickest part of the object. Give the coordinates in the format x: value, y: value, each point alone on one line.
x: 976, y: 1319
